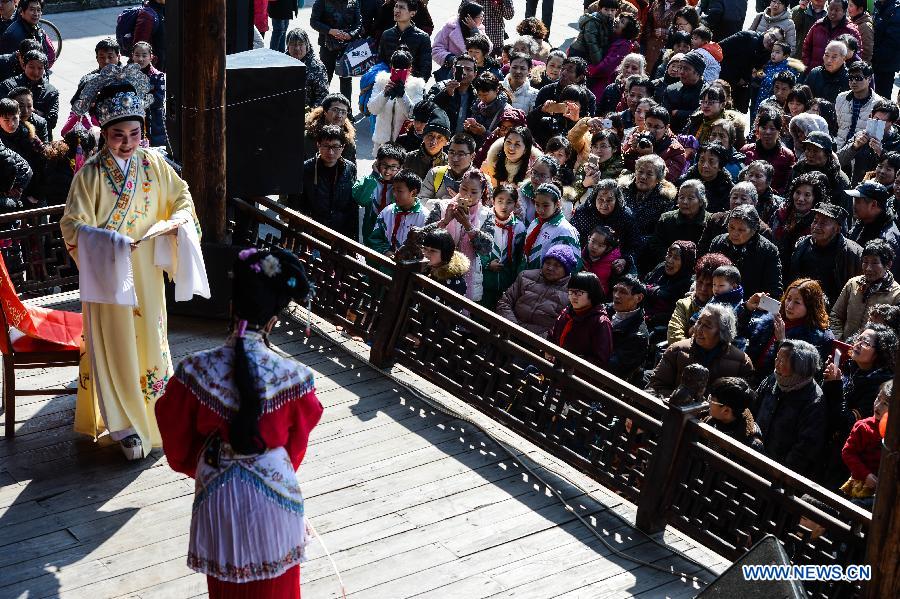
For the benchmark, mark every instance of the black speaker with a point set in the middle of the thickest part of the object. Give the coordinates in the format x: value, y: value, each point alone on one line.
x: 731, y: 583
x: 266, y: 94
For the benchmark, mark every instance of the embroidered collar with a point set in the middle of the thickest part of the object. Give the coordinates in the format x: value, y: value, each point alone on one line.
x: 210, y: 376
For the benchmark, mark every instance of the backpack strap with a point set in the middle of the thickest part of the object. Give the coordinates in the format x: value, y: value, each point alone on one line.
x: 439, y: 173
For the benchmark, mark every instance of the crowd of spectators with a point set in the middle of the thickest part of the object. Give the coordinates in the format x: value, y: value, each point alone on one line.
x: 671, y: 189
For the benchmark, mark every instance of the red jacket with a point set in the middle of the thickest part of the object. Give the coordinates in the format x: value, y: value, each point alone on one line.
x: 601, y: 267
x: 862, y: 450
x: 782, y: 161
x: 818, y: 37
x: 587, y: 335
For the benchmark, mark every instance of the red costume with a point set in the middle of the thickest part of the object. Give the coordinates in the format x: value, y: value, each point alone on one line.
x: 247, y: 529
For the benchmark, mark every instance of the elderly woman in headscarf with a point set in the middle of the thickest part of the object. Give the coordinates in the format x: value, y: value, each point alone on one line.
x: 801, y: 126
x: 755, y: 256
x: 711, y: 345
x: 790, y: 409
x: 509, y: 119
x: 669, y: 282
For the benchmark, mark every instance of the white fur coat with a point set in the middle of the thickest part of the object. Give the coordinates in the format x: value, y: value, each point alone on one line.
x: 390, y: 113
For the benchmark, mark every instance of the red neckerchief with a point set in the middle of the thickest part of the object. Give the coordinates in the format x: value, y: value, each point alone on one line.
x: 568, y: 326
x: 382, y: 203
x: 398, y: 218
x: 532, y: 237
x: 510, y: 231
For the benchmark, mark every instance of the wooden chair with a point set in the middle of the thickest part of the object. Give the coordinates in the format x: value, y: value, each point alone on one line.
x: 29, y: 352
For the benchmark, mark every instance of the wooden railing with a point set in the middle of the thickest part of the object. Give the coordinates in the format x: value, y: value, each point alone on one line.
x: 35, y: 253
x: 677, y: 471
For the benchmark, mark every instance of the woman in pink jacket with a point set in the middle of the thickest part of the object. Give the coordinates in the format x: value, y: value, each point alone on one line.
x: 626, y: 31
x: 450, y: 41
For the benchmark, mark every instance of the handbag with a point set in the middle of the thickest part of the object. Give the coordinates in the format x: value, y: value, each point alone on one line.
x: 359, y: 56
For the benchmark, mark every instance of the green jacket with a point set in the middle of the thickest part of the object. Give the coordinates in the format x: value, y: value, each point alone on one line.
x: 363, y: 194
x: 594, y: 32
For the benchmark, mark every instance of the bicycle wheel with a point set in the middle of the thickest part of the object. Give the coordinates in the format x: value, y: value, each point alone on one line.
x: 54, y: 35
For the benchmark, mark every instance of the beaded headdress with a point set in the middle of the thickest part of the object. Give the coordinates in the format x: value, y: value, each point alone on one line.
x: 118, y: 94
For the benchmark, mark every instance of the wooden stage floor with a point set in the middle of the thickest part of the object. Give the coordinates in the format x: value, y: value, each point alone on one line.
x: 410, y: 502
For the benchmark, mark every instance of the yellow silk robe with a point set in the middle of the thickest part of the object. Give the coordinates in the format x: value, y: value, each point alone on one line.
x: 126, y: 363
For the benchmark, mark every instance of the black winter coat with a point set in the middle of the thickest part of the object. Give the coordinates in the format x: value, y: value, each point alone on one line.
x: 741, y: 53
x: 335, y: 14
x: 41, y: 129
x: 9, y: 66
x: 631, y: 341
x: 886, y: 15
x: 416, y: 40
x: 832, y: 266
x: 282, y: 9
x: 46, y: 96
x: 330, y: 203
x: 793, y: 425
x: 758, y: 262
x: 827, y: 85
x: 682, y: 101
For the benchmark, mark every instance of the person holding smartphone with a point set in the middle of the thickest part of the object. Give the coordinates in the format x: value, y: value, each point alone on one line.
x: 456, y: 96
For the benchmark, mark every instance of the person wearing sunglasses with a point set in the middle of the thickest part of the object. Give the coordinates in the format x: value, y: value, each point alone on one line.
x: 729, y: 402
x: 854, y: 107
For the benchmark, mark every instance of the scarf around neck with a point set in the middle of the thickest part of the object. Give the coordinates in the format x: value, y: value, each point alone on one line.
x: 882, y: 284
x: 791, y: 383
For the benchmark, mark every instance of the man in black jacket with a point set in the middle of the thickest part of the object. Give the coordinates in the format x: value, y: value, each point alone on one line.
x: 46, y: 96
x: 456, y: 97
x: 874, y: 220
x: 631, y: 339
x: 741, y: 54
x: 825, y: 254
x: 405, y: 32
x: 683, y: 98
x: 327, y: 184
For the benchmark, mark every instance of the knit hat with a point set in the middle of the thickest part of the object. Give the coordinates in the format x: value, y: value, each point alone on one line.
x: 438, y: 123
x: 695, y: 60
x: 563, y: 254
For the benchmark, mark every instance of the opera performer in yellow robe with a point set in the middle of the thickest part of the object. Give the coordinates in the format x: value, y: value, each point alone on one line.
x: 117, y: 196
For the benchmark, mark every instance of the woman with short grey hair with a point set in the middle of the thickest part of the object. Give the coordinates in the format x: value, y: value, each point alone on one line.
x: 711, y: 346
x: 298, y: 46
x: 755, y: 256
x: 685, y: 223
x: 647, y: 193
x: 791, y: 411
x: 746, y: 190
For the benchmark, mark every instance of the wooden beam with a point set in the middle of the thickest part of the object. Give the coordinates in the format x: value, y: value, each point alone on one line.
x: 883, y: 548
x: 203, y: 111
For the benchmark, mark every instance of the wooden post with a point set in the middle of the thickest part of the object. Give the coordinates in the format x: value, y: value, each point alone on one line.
x: 395, y: 304
x: 203, y: 112
x: 660, y: 478
x: 883, y: 548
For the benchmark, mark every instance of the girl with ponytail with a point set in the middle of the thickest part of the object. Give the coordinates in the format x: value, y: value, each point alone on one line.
x: 237, y: 418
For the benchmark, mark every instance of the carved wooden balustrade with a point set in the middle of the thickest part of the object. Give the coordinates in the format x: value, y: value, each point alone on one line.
x: 677, y: 471
x: 35, y: 253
